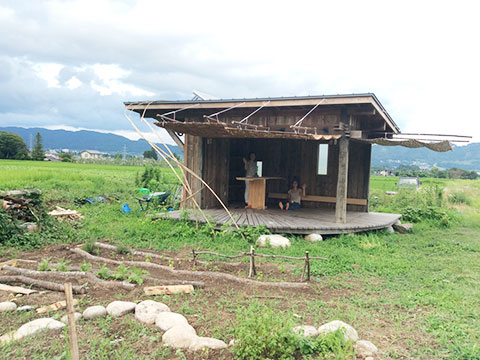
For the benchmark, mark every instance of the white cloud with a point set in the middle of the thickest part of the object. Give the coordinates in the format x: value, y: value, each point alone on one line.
x: 419, y: 58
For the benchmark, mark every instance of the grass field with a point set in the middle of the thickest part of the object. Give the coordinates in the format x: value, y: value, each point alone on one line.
x: 415, y: 296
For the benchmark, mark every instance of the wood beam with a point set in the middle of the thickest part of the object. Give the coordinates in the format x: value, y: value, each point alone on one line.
x: 342, y: 182
x: 176, y: 138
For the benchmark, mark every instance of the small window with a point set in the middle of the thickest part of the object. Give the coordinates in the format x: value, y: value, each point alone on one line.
x: 322, y: 159
x: 259, y: 168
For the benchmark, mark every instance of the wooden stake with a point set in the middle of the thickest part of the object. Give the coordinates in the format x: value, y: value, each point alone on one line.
x: 307, y: 260
x: 194, y: 257
x: 252, y: 271
x: 72, y: 332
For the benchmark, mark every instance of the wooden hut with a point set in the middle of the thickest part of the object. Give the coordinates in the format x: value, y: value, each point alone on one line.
x: 324, y: 141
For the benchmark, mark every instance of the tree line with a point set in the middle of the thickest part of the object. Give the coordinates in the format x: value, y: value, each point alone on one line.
x: 434, y: 172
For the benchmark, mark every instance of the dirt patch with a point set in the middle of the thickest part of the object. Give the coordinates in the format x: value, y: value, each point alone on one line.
x: 210, y: 310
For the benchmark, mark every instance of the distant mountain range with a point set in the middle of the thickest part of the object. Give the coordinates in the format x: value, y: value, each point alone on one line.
x: 85, y: 140
x: 463, y: 157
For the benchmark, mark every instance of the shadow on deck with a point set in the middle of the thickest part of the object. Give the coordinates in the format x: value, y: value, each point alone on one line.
x: 301, y: 221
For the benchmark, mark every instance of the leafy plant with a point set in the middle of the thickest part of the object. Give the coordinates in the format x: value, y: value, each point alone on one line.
x: 62, y: 265
x: 123, y: 249
x: 91, y: 247
x: 85, y: 266
x: 45, y: 265
x: 261, y: 332
x: 104, y: 273
x: 137, y: 275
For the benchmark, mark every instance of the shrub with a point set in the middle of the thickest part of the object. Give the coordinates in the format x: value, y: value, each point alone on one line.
x: 261, y: 332
x: 91, y: 247
x: 459, y: 197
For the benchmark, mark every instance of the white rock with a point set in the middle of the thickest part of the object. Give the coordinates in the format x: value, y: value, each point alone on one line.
x: 369, y: 358
x: 7, y: 306
x: 76, y: 315
x: 7, y: 337
x: 232, y: 342
x: 25, y: 308
x: 275, y: 241
x: 390, y: 230
x: 167, y: 320
x: 180, y: 337
x: 349, y: 332
x: 120, y: 308
x: 205, y: 342
x: 35, y: 326
x: 364, y: 348
x: 306, y: 330
x: 93, y: 312
x: 147, y: 311
x: 313, y: 237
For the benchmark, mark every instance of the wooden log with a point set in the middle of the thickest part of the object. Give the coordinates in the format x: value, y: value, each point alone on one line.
x: 195, y: 284
x: 40, y: 283
x: 65, y: 275
x: 16, y: 289
x: 12, y: 262
x: 55, y: 306
x: 168, y: 289
x: 137, y: 252
x: 209, y: 274
x: 72, y: 332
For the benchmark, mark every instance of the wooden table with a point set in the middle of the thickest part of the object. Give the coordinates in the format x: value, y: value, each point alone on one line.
x: 256, y: 191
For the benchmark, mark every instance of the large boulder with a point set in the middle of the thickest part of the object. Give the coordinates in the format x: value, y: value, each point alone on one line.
x: 7, y: 306
x: 147, y: 311
x: 180, y: 337
x: 313, y: 237
x: 275, y: 241
x: 205, y: 342
x: 364, y: 349
x: 167, y: 320
x: 120, y: 308
x: 349, y: 332
x: 35, y: 326
x: 93, y: 312
x: 306, y: 330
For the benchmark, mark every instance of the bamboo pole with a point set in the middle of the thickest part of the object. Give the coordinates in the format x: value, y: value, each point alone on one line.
x: 72, y: 332
x: 184, y: 168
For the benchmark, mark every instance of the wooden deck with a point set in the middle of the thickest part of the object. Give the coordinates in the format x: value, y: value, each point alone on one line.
x: 301, y: 221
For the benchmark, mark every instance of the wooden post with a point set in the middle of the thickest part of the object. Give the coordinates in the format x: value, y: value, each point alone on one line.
x: 72, y: 332
x: 342, y: 182
x: 194, y: 257
x: 307, y: 260
x: 252, y: 271
x: 306, y: 267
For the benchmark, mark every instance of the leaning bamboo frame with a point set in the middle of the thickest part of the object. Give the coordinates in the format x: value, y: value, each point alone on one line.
x: 178, y: 163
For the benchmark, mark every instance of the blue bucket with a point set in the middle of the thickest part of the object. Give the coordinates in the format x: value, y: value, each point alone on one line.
x: 126, y: 208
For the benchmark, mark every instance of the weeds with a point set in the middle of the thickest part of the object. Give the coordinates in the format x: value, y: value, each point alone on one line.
x: 90, y: 247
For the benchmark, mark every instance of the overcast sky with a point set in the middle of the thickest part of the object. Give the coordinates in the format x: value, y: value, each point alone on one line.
x: 72, y: 64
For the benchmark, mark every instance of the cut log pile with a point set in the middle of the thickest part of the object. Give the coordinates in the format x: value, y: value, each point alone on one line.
x: 22, y: 205
x: 65, y: 214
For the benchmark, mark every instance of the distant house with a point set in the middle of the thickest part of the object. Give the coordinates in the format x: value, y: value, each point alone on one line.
x: 91, y: 154
x: 52, y: 155
x: 385, y: 173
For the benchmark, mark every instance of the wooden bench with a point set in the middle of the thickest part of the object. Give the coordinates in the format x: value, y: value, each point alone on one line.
x: 317, y: 198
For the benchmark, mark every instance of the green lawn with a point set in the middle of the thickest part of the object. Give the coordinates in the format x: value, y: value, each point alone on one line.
x: 415, y: 296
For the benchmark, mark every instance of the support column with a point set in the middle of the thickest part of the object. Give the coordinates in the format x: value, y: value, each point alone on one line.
x: 342, y: 182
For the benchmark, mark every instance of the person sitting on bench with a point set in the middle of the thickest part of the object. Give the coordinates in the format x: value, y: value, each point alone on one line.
x: 295, y: 195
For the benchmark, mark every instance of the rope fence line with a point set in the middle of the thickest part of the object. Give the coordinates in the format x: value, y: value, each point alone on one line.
x: 252, y: 254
